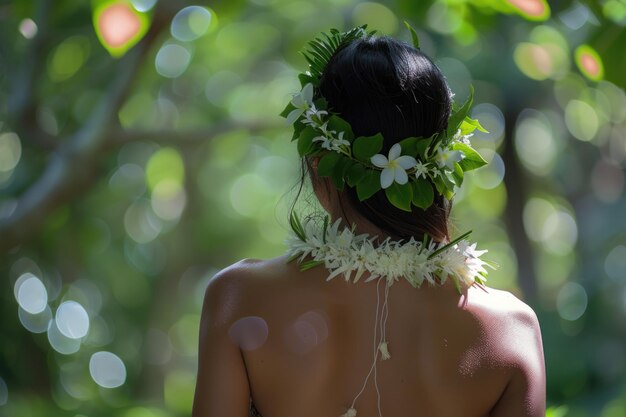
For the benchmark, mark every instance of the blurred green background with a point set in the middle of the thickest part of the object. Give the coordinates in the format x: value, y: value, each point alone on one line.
x: 141, y: 151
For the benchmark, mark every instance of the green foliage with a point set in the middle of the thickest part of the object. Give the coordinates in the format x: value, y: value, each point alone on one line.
x: 322, y: 48
x: 366, y: 147
x: 187, y: 175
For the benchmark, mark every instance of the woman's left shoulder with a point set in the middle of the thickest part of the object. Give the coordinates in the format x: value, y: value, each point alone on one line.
x: 244, y: 279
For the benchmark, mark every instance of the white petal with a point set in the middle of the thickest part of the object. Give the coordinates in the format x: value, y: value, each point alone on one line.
x: 297, y: 101
x: 395, y: 151
x: 386, y: 177
x: 406, y: 162
x: 293, y: 116
x: 400, y: 175
x: 456, y: 156
x: 379, y: 160
x: 307, y: 93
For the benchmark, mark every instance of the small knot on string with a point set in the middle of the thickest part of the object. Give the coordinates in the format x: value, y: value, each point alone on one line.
x: 350, y: 413
x: 384, y: 350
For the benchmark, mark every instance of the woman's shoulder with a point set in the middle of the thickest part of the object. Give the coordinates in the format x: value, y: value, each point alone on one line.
x: 249, y: 269
x: 503, y: 306
x: 235, y: 282
x: 510, y: 326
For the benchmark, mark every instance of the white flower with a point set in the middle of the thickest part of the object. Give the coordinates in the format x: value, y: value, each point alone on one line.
x: 394, y: 167
x: 458, y: 137
x: 339, y: 142
x: 421, y: 169
x: 330, y: 142
x: 343, y: 252
x: 448, y: 157
x: 302, y: 101
x: 314, y: 117
x: 327, y: 143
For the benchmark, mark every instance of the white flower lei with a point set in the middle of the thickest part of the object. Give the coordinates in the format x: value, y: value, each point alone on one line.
x: 343, y: 252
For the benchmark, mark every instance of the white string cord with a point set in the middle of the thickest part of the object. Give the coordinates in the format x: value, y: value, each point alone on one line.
x: 352, y: 411
x: 383, y: 328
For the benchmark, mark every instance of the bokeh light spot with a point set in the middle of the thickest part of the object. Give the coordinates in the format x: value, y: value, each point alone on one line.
x: 172, y: 60
x: 248, y: 194
x: 143, y: 5
x: 168, y: 199
x: 249, y: 333
x: 191, y: 23
x: 615, y: 263
x: 67, y: 58
x: 60, y: 342
x: 107, y: 369
x: 119, y: 26
x: 531, y: 9
x: 165, y: 164
x: 571, y: 302
x: 375, y: 15
x: 443, y: 18
x: 72, y: 320
x: 535, y: 61
x: 589, y: 62
x: 306, y: 332
x: 581, y: 120
x: 28, y: 28
x: 31, y: 293
x: 534, y: 142
x: 178, y: 390
x: 35, y: 323
x: 492, y: 174
x: 141, y: 223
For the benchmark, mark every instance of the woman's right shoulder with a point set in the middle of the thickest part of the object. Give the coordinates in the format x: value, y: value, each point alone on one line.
x: 512, y: 330
x: 504, y: 307
x: 513, y: 335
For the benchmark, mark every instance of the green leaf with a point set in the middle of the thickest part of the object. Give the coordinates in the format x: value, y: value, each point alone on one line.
x: 472, y: 158
x: 400, y: 195
x: 342, y: 166
x: 296, y: 226
x: 421, y: 147
x: 449, y: 245
x: 338, y: 124
x: 305, y: 141
x: 369, y: 184
x: 458, y: 116
x: 415, y: 38
x: 354, y: 174
x: 469, y: 125
x: 297, y: 129
x: 327, y: 164
x: 287, y: 110
x: 364, y: 147
x: 409, y: 146
x: 306, y: 79
x: 457, y: 174
x: 304, y: 266
x: 423, y: 194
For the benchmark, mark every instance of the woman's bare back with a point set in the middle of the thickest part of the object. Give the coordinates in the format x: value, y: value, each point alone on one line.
x: 308, y: 344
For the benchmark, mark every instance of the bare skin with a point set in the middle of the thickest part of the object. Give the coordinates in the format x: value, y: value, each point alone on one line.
x: 299, y: 345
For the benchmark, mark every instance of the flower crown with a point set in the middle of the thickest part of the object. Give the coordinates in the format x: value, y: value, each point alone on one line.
x: 410, y: 169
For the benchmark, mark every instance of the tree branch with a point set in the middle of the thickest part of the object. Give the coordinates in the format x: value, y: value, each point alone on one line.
x: 192, y: 137
x: 71, y: 168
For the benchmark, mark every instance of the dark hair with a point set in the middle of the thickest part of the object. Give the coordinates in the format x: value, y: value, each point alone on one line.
x: 380, y: 84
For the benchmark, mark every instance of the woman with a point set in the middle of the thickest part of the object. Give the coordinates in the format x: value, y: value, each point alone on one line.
x: 384, y: 150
